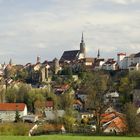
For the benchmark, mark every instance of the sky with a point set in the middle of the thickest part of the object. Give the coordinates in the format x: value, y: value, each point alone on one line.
x: 46, y: 28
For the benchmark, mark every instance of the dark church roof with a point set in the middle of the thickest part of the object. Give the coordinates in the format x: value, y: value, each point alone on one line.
x: 137, y: 55
x: 70, y: 55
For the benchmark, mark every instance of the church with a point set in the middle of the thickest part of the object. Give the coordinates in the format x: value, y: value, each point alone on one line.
x: 73, y: 55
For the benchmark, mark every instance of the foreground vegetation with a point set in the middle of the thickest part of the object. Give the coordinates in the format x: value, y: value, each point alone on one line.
x: 64, y: 137
x: 93, y: 84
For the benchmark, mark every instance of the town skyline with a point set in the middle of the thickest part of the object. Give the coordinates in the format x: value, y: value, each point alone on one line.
x: 47, y: 28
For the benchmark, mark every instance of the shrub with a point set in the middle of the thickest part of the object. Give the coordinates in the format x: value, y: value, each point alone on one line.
x: 20, y: 129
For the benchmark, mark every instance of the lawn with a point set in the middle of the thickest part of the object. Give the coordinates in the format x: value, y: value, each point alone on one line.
x: 64, y: 137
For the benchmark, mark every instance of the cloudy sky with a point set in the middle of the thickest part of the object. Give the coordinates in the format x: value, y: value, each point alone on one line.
x: 45, y: 28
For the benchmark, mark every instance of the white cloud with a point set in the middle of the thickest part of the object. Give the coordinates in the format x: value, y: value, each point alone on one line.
x: 50, y: 31
x: 123, y: 2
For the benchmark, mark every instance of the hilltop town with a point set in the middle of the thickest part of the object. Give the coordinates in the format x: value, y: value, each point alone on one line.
x: 76, y: 93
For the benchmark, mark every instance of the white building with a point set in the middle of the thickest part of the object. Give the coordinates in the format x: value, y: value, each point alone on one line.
x: 52, y: 115
x: 30, y: 118
x: 112, y: 97
x: 135, y: 67
x: 8, y: 111
x: 110, y: 64
x: 120, y: 59
x: 99, y: 63
x: 130, y: 62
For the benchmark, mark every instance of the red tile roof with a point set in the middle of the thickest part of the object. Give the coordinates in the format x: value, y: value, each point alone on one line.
x: 121, y: 54
x: 12, y: 106
x: 49, y: 104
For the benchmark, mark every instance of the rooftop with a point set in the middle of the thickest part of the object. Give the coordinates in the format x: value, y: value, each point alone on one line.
x: 12, y: 106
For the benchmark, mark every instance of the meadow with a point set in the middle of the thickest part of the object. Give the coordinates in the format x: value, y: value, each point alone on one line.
x: 67, y: 137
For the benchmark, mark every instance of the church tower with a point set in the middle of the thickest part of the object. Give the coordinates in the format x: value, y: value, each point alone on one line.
x: 82, y: 47
x: 98, y: 55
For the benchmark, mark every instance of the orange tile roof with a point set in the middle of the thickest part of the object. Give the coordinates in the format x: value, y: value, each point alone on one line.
x: 108, y: 117
x: 12, y: 106
x: 118, y: 123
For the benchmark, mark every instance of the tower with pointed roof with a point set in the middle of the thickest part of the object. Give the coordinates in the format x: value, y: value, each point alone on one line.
x: 10, y: 62
x: 98, y: 55
x: 82, y: 47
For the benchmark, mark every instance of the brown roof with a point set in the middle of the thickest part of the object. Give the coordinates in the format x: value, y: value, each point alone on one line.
x: 110, y: 61
x: 49, y: 103
x: 121, y: 54
x: 12, y: 106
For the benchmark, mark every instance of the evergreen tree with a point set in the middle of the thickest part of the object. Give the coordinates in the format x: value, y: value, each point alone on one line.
x: 17, y: 116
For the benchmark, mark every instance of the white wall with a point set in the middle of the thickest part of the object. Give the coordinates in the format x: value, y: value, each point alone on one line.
x: 10, y: 115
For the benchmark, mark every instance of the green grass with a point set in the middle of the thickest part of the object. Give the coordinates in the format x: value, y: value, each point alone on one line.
x: 65, y: 137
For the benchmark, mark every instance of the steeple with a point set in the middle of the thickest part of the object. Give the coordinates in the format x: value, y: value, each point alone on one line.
x: 82, y: 47
x: 82, y: 39
x: 98, y: 55
x: 10, y: 62
x: 38, y: 59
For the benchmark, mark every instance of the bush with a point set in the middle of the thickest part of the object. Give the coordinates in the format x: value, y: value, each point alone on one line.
x: 47, y: 128
x: 21, y: 129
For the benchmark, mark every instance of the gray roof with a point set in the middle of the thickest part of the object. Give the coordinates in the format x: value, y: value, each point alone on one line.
x: 70, y: 55
x: 132, y: 56
x: 137, y: 55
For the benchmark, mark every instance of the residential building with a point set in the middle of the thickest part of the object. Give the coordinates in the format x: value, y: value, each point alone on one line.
x: 49, y: 105
x: 135, y: 67
x: 8, y: 111
x: 54, y: 114
x: 120, y: 59
x: 99, y: 64
x: 110, y: 64
x: 111, y: 97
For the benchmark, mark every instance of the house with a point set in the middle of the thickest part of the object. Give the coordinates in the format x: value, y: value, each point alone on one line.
x: 110, y: 110
x: 81, y: 94
x: 60, y: 89
x: 30, y: 118
x: 37, y: 66
x: 49, y: 105
x: 86, y: 115
x: 120, y: 59
x: 77, y: 105
x: 110, y: 64
x: 130, y: 62
x: 88, y: 61
x: 117, y: 125
x: 8, y: 111
x: 113, y: 122
x: 135, y: 67
x: 54, y: 114
x: 99, y: 63
x: 111, y: 97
